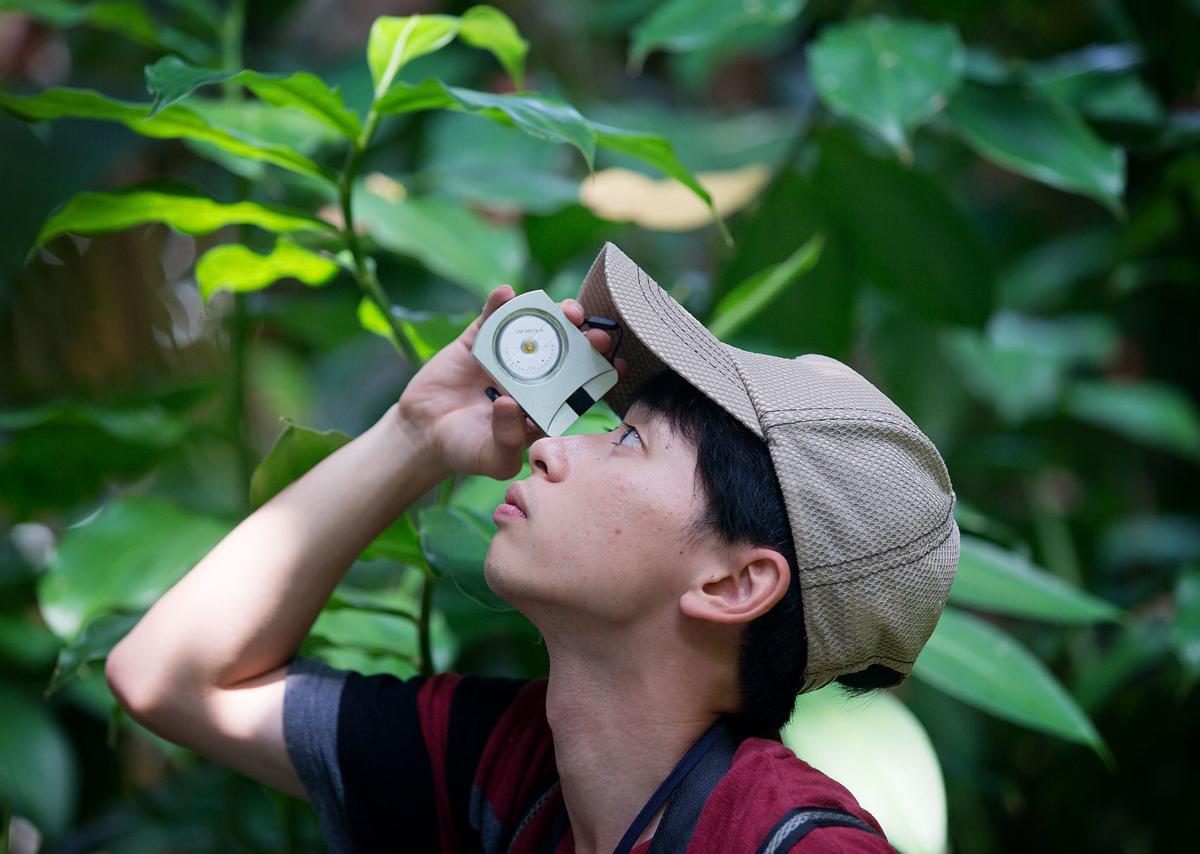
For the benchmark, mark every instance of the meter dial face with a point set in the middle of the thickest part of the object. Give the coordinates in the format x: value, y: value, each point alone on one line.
x: 529, y: 346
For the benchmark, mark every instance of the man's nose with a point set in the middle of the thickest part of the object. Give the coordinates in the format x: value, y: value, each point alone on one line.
x: 550, y: 456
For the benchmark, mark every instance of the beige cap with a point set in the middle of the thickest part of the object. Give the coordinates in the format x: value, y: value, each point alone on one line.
x: 868, y: 496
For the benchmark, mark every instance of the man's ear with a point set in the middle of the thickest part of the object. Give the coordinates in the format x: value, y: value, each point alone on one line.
x: 746, y: 587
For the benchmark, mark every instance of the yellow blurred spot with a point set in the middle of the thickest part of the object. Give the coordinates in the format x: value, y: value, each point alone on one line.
x: 666, y: 204
x: 385, y: 187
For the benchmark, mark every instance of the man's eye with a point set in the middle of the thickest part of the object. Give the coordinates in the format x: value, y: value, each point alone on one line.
x: 629, y: 431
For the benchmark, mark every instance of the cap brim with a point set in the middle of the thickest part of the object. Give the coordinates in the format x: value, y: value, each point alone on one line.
x: 658, y: 332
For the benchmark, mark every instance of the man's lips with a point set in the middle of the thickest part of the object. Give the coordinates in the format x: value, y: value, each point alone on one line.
x: 512, y: 499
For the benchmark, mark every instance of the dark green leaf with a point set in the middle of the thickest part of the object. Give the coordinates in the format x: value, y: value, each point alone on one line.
x: 1040, y: 138
x: 994, y: 579
x: 233, y: 267
x: 686, y: 25
x: 904, y: 234
x: 100, y: 213
x: 25, y: 643
x: 123, y: 558
x: 38, y: 773
x: 1186, y: 631
x: 171, y: 79
x: 744, y: 302
x: 175, y: 122
x: 94, y: 644
x: 447, y: 237
x: 1159, y: 541
x: 296, y: 451
x: 455, y: 542
x: 1153, y: 413
x: 889, y: 76
x: 980, y: 665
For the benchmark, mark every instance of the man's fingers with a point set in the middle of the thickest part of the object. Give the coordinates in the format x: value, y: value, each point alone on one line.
x: 498, y: 297
x: 573, y: 309
x: 621, y: 365
x: 508, y: 422
x: 599, y: 339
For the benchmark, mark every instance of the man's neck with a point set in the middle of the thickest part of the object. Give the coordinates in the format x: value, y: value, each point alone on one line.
x: 620, y: 725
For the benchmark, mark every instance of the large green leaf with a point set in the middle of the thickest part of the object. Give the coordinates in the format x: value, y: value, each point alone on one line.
x: 994, y: 579
x: 744, y: 302
x: 878, y: 750
x: 1040, y: 138
x: 541, y: 116
x: 38, y: 774
x: 685, y: 25
x: 296, y: 451
x: 447, y: 237
x: 889, y: 76
x: 171, y: 79
x: 427, y: 331
x: 126, y: 18
x: 903, y: 233
x: 455, y: 542
x: 177, y: 122
x: 488, y: 28
x: 234, y: 267
x: 1153, y: 413
x: 183, y: 210
x: 125, y: 557
x: 94, y: 644
x: 980, y: 665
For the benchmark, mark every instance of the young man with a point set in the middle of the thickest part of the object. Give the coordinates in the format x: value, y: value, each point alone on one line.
x: 755, y: 528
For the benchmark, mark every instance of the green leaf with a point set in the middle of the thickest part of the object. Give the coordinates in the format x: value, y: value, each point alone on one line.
x: 175, y: 122
x: 25, y: 643
x: 234, y: 267
x: 903, y: 233
x: 101, y: 213
x: 455, y: 542
x: 94, y: 644
x: 878, y: 750
x: 394, y: 42
x: 743, y: 303
x: 1185, y: 632
x: 1040, y: 138
x: 171, y: 79
x: 1153, y: 413
x: 125, y: 557
x: 296, y: 451
x: 489, y: 28
x: 39, y: 777
x: 889, y: 76
x: 685, y: 25
x: 428, y: 331
x: 541, y: 116
x: 369, y: 631
x: 125, y: 18
x: 447, y: 237
x: 994, y: 579
x: 984, y: 667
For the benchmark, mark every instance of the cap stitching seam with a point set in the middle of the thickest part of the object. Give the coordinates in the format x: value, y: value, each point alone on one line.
x: 851, y: 666
x: 853, y: 420
x: 899, y: 562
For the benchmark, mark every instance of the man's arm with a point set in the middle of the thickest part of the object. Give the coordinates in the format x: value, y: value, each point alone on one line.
x: 206, y: 666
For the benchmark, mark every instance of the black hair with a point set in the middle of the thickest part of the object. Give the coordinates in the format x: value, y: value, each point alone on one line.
x: 744, y: 504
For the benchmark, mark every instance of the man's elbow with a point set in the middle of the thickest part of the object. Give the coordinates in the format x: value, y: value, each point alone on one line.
x: 130, y: 684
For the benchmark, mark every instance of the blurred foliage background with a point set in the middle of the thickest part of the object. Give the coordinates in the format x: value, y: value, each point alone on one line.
x: 210, y: 278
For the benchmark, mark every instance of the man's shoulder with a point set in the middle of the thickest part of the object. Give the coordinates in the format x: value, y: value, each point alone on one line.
x: 768, y: 788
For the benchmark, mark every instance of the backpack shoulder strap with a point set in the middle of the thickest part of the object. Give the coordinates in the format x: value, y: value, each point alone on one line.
x: 797, y: 823
x: 683, y: 809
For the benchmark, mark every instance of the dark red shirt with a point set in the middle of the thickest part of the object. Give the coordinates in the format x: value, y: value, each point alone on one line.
x: 466, y: 764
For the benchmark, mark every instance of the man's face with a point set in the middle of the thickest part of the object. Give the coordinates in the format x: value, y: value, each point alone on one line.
x: 605, y: 537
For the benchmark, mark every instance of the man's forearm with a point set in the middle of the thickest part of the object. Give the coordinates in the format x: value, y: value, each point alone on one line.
x: 245, y: 608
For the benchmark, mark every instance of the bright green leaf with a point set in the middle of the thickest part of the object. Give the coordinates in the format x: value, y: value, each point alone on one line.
x: 489, y: 28
x: 428, y: 331
x: 101, y: 213
x: 39, y: 777
x: 1153, y: 413
x: 981, y: 665
x: 744, y: 302
x: 394, y: 42
x: 455, y: 542
x: 296, y: 451
x: 171, y: 79
x: 1040, y: 138
x: 447, y: 237
x: 686, y: 25
x: 233, y: 267
x: 994, y: 579
x: 125, y: 557
x: 889, y: 76
x: 877, y: 749
x: 366, y: 630
x: 177, y: 122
